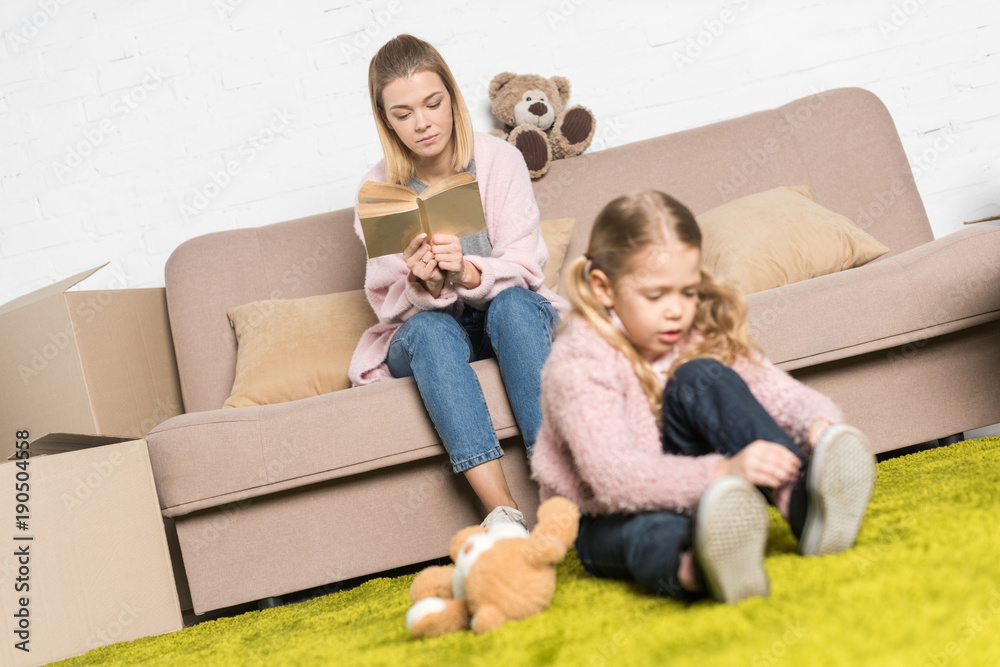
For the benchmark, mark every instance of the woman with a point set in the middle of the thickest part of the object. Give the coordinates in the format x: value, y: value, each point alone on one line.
x: 446, y: 301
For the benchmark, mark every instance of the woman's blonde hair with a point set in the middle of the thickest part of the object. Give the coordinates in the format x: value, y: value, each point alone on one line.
x: 400, y: 58
x: 624, y: 228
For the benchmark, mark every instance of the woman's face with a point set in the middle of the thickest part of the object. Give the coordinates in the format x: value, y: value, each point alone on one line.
x: 418, y: 110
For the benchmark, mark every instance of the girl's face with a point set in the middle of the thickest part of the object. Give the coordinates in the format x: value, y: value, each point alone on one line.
x: 657, y: 298
x: 418, y: 110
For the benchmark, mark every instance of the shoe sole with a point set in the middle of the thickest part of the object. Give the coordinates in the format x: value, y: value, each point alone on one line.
x: 731, y: 528
x: 839, y: 485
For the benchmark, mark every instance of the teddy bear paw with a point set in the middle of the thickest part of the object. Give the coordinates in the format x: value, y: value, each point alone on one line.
x: 534, y: 146
x: 435, y: 616
x: 572, y: 132
x: 421, y: 609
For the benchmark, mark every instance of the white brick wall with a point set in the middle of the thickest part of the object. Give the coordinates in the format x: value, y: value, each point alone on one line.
x: 127, y: 127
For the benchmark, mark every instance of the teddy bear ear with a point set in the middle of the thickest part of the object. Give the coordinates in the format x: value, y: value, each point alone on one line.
x: 499, y: 81
x: 562, y: 85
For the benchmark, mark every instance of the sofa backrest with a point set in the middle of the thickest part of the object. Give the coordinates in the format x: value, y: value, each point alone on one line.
x: 841, y: 143
x: 208, y: 275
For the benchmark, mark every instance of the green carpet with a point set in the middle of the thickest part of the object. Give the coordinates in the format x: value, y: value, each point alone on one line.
x: 922, y: 587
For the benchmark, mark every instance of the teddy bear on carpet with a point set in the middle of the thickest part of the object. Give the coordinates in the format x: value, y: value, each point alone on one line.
x: 499, y: 575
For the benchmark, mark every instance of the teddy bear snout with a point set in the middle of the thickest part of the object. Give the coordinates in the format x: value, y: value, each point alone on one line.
x: 538, y: 113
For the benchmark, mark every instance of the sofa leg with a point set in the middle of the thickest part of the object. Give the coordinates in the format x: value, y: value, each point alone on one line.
x: 269, y: 603
x: 951, y: 439
x: 921, y: 447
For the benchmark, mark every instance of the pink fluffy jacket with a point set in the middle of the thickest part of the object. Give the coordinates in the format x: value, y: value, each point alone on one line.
x: 518, y: 258
x: 600, y: 445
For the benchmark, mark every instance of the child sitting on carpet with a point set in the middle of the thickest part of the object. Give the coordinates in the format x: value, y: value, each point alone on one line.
x: 665, y: 475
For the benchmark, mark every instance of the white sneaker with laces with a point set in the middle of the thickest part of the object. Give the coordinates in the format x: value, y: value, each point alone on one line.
x: 502, y: 514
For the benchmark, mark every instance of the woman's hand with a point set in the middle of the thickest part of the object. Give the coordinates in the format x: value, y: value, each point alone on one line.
x: 423, y: 266
x: 761, y: 463
x: 447, y: 251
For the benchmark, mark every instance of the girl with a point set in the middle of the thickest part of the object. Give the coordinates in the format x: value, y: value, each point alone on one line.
x: 446, y: 301
x: 638, y: 457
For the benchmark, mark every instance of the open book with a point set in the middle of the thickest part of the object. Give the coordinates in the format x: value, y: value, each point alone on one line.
x: 391, y: 215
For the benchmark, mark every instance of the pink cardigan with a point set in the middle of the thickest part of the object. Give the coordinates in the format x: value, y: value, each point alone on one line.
x: 518, y: 258
x: 600, y: 446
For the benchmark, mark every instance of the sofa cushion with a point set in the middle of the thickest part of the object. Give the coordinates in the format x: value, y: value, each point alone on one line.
x: 205, y: 459
x: 778, y: 237
x: 296, y: 348
x: 946, y: 285
x: 207, y: 275
x: 556, y: 234
x: 289, y: 349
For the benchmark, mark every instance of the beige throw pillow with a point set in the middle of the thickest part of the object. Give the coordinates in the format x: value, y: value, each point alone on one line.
x: 556, y: 233
x: 779, y: 237
x: 289, y: 349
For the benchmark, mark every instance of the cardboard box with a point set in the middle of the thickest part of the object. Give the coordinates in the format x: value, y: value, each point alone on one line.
x: 88, y: 566
x: 58, y: 443
x: 89, y: 362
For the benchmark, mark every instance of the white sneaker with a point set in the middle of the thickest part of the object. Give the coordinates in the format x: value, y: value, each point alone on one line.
x: 730, y: 535
x: 839, y: 482
x: 502, y: 514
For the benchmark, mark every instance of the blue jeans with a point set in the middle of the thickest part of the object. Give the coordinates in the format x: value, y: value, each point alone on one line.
x: 707, y: 408
x: 436, y: 349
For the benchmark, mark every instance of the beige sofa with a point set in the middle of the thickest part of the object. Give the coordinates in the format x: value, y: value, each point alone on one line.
x: 274, y: 499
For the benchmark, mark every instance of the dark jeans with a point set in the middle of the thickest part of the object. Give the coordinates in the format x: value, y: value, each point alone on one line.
x: 707, y: 408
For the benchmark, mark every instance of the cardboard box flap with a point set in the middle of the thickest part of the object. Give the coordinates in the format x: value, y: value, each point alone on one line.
x: 54, y: 443
x: 45, y: 292
x: 98, y: 362
x: 42, y: 387
x: 140, y: 389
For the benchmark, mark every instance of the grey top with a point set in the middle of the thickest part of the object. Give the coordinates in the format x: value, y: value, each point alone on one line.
x: 477, y: 244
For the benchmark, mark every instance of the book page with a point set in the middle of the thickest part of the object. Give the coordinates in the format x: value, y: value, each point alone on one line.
x: 389, y: 234
x: 446, y: 183
x: 371, y: 209
x: 374, y: 191
x: 458, y: 211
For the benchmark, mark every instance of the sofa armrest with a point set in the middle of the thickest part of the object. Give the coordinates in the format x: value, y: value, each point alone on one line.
x: 945, y: 285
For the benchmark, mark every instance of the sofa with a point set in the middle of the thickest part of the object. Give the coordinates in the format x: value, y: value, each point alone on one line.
x: 272, y: 499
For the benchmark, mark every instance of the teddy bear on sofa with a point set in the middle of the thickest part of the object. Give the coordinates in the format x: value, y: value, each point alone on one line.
x: 536, y: 120
x: 499, y: 575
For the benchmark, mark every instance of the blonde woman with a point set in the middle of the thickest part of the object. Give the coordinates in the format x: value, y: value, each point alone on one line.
x: 658, y: 405
x: 446, y: 301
